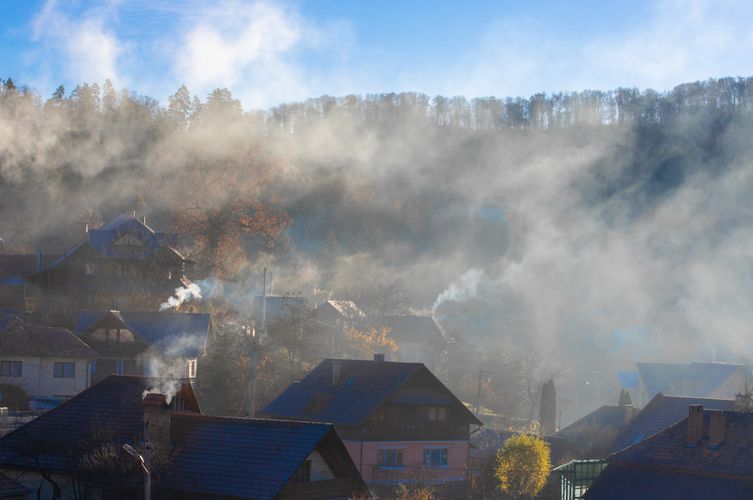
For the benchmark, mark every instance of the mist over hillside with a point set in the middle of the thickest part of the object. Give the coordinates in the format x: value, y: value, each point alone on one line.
x: 595, y: 229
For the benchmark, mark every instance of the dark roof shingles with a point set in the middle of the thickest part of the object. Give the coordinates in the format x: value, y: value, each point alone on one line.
x: 19, y: 337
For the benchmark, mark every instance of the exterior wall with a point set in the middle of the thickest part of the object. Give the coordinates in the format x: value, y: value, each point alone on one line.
x: 366, y: 458
x: 38, y: 377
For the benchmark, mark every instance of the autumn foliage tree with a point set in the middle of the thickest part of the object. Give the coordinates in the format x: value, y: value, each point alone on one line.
x: 223, y: 205
x: 523, y: 465
x: 363, y: 344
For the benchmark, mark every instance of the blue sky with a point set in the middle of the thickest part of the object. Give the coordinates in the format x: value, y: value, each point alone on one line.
x: 271, y: 52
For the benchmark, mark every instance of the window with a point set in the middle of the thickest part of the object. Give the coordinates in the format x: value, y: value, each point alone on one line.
x: 10, y: 368
x: 435, y: 457
x: 66, y: 369
x: 303, y: 473
x: 90, y: 268
x: 391, y: 457
x: 437, y: 413
x: 192, y: 368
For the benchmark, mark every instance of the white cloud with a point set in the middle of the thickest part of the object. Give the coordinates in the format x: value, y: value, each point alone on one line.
x: 84, y: 48
x: 679, y: 41
x: 247, y: 47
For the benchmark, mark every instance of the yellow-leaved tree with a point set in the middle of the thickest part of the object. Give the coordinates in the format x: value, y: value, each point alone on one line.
x: 523, y: 465
x: 363, y: 344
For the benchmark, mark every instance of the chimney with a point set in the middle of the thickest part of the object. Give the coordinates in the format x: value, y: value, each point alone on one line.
x: 157, y: 426
x: 695, y: 424
x: 716, y: 429
x: 378, y: 357
x: 335, y: 372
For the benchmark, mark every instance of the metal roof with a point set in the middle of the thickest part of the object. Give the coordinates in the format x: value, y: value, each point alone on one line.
x: 362, y: 386
x: 173, y: 334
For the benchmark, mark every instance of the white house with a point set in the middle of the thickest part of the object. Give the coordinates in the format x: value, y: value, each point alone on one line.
x: 44, y: 361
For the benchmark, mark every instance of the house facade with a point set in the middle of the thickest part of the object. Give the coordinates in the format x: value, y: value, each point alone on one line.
x: 145, y: 342
x: 44, y: 361
x: 397, y: 420
x: 124, y: 264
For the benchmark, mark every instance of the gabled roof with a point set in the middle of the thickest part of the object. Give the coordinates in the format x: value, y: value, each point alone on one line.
x: 104, y: 241
x: 661, y: 412
x: 668, y: 448
x: 362, y: 387
x: 173, y: 334
x: 687, y: 379
x: 608, y: 417
x: 410, y: 328
x: 664, y: 466
x: 113, y: 406
x: 238, y: 456
x: 210, y: 456
x: 22, y: 338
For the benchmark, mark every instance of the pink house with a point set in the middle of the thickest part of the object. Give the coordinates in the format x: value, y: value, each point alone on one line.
x: 397, y: 420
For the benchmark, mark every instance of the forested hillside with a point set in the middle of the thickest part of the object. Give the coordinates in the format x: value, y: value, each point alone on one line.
x: 602, y: 226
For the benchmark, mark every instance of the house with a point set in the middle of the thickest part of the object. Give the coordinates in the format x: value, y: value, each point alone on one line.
x: 662, y: 412
x: 695, y: 379
x: 145, y: 342
x: 709, y: 454
x: 339, y: 313
x: 44, y: 361
x: 595, y: 432
x: 398, y: 421
x: 420, y: 339
x: 14, y: 270
x: 193, y: 456
x: 124, y: 264
x: 277, y: 308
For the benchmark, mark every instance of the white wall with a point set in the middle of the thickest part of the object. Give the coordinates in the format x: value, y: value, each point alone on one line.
x: 38, y: 376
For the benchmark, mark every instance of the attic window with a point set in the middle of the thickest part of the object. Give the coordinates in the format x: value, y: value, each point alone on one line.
x: 90, y: 268
x: 437, y: 413
x: 129, y: 240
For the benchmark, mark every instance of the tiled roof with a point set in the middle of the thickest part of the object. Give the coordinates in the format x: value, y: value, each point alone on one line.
x: 12, y: 488
x: 362, y: 387
x: 233, y: 456
x: 22, y: 338
x: 632, y: 483
x: 610, y: 417
x: 687, y: 379
x: 172, y: 334
x: 665, y: 467
x: 661, y: 412
x: 112, y: 406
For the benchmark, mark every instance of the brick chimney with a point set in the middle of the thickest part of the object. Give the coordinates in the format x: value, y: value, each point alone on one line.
x: 157, y: 424
x: 716, y: 429
x: 695, y: 424
x: 379, y: 356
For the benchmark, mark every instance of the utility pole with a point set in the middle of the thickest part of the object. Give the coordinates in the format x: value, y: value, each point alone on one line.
x: 251, y: 393
x: 147, y: 463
